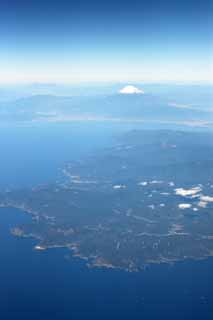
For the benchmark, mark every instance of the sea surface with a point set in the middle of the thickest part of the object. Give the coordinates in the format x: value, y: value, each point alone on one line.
x: 50, y: 284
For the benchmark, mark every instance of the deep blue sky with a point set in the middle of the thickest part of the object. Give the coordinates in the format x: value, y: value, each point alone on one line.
x: 110, y: 40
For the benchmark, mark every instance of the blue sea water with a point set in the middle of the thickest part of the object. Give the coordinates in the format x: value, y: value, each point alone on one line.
x: 31, y: 155
x: 48, y: 285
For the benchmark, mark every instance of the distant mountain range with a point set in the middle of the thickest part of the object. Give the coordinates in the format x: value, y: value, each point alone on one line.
x: 115, y: 107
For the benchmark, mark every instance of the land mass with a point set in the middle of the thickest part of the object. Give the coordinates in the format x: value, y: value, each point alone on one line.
x: 148, y: 199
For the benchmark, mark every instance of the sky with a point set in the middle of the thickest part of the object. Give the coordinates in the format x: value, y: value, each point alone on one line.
x: 114, y: 40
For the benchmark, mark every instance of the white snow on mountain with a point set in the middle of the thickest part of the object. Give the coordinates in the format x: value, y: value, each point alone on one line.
x: 131, y: 90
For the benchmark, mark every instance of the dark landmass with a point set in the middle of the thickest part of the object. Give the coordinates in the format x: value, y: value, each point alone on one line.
x: 115, y: 107
x: 148, y: 199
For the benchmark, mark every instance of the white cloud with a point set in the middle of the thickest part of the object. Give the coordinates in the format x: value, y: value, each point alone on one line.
x: 202, y: 204
x: 195, y: 209
x: 143, y: 183
x: 171, y: 184
x: 187, y: 192
x: 156, y: 182
x: 152, y: 206
x: 184, y: 206
x: 204, y: 201
x: 119, y: 186
x: 206, y: 198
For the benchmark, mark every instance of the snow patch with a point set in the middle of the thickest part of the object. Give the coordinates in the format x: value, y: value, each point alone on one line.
x: 131, y: 90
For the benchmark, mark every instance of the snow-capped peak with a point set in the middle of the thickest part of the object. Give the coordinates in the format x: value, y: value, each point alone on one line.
x: 131, y: 90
